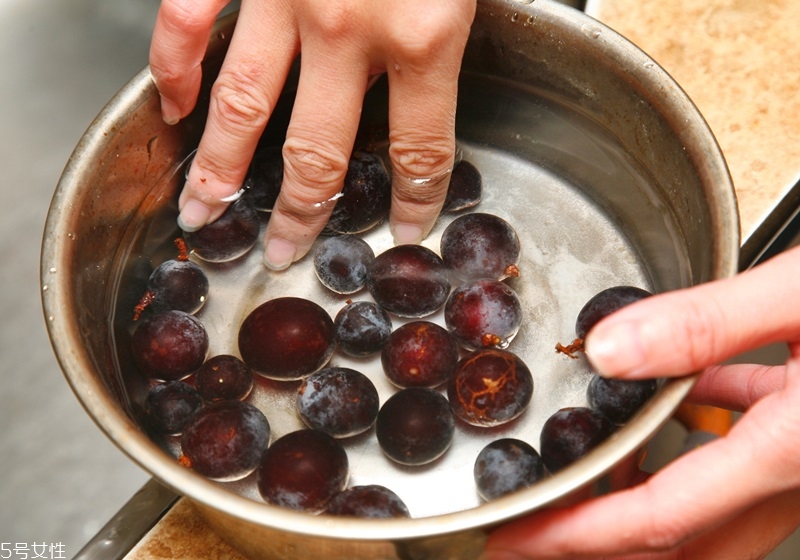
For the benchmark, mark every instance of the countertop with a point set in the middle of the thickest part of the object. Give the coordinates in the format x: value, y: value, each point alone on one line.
x: 736, y: 59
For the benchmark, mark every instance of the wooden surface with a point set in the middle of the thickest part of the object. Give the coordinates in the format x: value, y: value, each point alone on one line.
x: 737, y: 60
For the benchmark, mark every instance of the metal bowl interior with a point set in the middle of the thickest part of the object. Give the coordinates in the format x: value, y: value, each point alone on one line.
x: 586, y: 145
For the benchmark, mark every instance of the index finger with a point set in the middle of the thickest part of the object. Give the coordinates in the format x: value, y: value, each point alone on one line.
x: 243, y: 97
x: 680, y: 332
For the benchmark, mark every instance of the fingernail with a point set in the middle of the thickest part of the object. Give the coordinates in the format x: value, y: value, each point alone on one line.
x: 405, y: 234
x: 194, y: 215
x: 170, y: 112
x: 616, y: 349
x: 279, y: 254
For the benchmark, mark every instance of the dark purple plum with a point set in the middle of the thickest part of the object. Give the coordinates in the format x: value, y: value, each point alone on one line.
x: 505, y: 466
x: 570, y: 433
x: 231, y: 236
x: 223, y: 377
x: 175, y: 284
x: 339, y: 401
x: 303, y: 470
x: 619, y: 399
x: 365, y: 197
x: 170, y: 405
x: 483, y: 314
x: 490, y: 387
x: 409, y: 280
x: 465, y: 188
x: 341, y: 263
x: 170, y: 345
x: 604, y: 303
x: 371, y: 501
x: 263, y: 182
x: 415, y: 426
x: 419, y: 354
x: 287, y: 338
x: 480, y: 246
x: 362, y: 328
x: 225, y: 440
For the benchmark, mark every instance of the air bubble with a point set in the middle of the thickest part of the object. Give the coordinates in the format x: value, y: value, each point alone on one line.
x: 514, y: 17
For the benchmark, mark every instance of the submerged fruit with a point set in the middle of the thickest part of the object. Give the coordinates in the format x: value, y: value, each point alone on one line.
x: 415, y: 426
x: 225, y: 440
x: 287, y: 338
x: 571, y: 433
x: 303, y: 470
x: 483, y: 314
x: 490, y: 387
x: 478, y: 246
x: 409, y: 281
x: 339, y: 401
x: 505, y: 466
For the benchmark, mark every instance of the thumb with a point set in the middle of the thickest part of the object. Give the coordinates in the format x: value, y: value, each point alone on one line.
x: 680, y: 332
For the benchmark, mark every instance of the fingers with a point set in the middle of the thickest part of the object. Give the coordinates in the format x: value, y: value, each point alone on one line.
x: 680, y: 332
x: 320, y: 136
x: 179, y: 42
x: 737, y: 387
x: 423, y: 84
x: 242, y: 99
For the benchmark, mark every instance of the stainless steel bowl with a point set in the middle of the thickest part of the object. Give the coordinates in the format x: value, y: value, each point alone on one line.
x: 586, y: 145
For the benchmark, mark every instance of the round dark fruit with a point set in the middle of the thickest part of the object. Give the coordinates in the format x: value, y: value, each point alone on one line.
x: 223, y: 377
x: 287, y: 338
x: 362, y: 328
x: 604, y: 303
x: 225, y: 440
x: 490, y: 387
x: 303, y: 470
x: 483, y: 314
x: 169, y: 345
x: 232, y: 235
x: 465, y: 188
x: 619, y: 399
x: 415, y: 426
x: 365, y: 198
x: 341, y: 263
x: 371, y: 501
x: 175, y: 284
x: 170, y: 405
x: 409, y: 281
x: 263, y: 182
x: 478, y: 246
x: 571, y: 433
x: 419, y: 354
x: 339, y: 401
x: 505, y: 466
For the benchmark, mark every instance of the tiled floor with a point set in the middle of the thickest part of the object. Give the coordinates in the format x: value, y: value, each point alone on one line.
x: 61, y: 478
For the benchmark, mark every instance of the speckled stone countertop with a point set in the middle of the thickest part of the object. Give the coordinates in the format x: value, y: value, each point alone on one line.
x: 737, y: 60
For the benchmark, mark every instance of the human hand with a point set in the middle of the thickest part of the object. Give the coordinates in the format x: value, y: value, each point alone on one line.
x: 419, y: 44
x: 735, y: 497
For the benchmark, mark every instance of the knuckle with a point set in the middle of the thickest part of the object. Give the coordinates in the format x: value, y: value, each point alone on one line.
x: 422, y: 159
x: 237, y: 100
x: 183, y: 15
x: 313, y: 165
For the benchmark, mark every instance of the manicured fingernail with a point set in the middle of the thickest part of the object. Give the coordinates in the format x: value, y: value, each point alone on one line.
x: 405, y: 234
x: 194, y: 215
x: 279, y: 254
x: 616, y: 349
x: 170, y: 112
